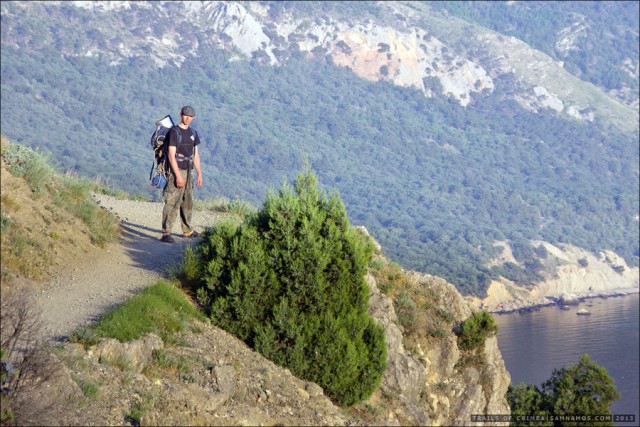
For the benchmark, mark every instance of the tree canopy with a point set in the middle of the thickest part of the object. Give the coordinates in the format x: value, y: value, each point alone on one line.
x: 579, y: 392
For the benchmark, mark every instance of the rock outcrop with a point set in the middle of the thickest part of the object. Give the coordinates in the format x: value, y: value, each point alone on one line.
x: 583, y: 272
x: 134, y: 355
x: 438, y: 383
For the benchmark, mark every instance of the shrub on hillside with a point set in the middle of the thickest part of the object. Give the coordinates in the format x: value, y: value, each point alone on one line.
x: 290, y: 282
x: 474, y: 331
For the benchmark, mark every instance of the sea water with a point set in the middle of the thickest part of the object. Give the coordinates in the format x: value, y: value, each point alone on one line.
x: 535, y: 343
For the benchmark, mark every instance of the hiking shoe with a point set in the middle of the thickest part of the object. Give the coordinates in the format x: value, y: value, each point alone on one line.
x: 167, y: 238
x: 192, y: 235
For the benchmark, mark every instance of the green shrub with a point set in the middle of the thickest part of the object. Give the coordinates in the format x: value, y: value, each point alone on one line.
x: 474, y: 331
x: 5, y: 222
x: 188, y: 269
x: 527, y: 402
x: 89, y: 389
x: 137, y: 410
x: 289, y: 281
x: 437, y: 333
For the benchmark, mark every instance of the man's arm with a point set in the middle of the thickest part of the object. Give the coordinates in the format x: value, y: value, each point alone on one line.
x: 196, y: 164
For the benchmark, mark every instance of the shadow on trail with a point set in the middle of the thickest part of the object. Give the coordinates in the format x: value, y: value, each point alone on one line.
x: 146, y: 251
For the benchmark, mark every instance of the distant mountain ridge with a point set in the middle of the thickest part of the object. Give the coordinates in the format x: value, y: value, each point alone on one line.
x: 408, y: 44
x: 443, y: 137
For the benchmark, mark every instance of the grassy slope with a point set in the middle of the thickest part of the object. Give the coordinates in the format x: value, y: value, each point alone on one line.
x: 46, y: 216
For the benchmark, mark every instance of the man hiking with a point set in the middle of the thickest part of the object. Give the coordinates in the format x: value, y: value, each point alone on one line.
x: 183, y: 158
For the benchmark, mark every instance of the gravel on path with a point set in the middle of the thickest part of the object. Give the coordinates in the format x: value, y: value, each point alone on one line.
x: 106, y: 277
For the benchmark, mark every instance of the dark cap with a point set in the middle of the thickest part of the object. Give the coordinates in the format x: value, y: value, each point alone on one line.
x: 188, y: 111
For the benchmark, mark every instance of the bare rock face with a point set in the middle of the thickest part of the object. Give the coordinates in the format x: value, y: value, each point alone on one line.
x: 573, y: 273
x: 479, y: 389
x: 582, y: 272
x: 405, y: 57
x: 441, y: 360
x: 436, y: 385
x: 495, y: 379
x: 134, y: 355
x: 242, y: 29
x: 404, y: 375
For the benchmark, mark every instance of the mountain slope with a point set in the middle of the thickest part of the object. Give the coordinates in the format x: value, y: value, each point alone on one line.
x: 436, y: 178
x: 405, y: 43
x: 595, y: 41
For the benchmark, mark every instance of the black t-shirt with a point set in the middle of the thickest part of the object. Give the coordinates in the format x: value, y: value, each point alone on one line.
x: 184, y: 150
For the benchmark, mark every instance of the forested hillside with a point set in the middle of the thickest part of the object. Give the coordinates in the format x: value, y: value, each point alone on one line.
x: 436, y: 183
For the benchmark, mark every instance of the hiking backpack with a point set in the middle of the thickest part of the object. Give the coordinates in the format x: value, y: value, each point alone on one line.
x: 159, y: 142
x: 160, y: 166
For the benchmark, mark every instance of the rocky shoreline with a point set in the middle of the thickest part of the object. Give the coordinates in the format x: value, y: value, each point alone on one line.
x: 529, y: 305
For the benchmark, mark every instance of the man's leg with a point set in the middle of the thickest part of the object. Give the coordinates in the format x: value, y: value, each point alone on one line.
x: 186, y: 208
x: 172, y: 199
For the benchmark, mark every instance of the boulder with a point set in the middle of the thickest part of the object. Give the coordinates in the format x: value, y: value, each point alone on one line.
x: 134, y: 355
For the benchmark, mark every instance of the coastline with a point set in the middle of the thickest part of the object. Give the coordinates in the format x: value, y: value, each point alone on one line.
x: 528, y: 305
x: 533, y: 344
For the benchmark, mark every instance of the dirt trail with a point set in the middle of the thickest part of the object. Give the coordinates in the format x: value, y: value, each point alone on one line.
x: 104, y: 278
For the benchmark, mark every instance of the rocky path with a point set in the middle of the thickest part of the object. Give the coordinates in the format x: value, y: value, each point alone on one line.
x: 106, y: 277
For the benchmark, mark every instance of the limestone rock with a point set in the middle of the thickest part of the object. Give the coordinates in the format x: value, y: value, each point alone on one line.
x: 404, y: 374
x: 133, y: 355
x: 441, y: 359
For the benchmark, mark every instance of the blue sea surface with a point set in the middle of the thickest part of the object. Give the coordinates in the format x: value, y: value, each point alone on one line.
x: 535, y: 343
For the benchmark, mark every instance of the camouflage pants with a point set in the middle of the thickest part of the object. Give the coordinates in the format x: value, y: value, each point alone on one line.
x: 178, y: 200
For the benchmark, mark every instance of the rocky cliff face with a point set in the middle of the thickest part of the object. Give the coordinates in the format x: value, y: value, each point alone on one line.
x: 435, y: 381
x: 410, y: 54
x: 410, y: 58
x: 583, y: 272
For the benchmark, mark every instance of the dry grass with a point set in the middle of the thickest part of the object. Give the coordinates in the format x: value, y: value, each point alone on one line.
x: 418, y: 304
x: 45, y: 215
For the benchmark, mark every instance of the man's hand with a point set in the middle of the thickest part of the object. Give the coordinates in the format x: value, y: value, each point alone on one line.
x: 179, y: 181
